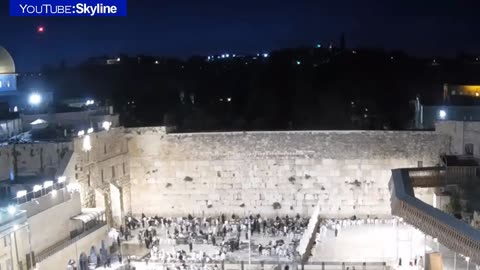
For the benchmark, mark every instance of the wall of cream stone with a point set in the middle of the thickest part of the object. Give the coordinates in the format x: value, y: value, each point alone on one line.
x: 247, y: 172
x: 60, y: 259
x: 104, y: 165
x: 32, y: 159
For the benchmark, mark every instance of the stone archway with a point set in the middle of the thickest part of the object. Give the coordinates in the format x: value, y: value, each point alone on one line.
x: 116, y: 204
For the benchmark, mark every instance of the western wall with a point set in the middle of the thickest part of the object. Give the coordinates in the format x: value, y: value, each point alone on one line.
x: 272, y: 173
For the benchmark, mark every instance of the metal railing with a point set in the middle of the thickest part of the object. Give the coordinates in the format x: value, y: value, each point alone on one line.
x: 243, y: 265
x: 441, y: 176
x: 65, y: 243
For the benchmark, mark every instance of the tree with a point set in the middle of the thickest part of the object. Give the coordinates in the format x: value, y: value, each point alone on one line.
x: 454, y: 206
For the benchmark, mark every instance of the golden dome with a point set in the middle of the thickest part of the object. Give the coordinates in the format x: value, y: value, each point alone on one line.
x: 7, y: 66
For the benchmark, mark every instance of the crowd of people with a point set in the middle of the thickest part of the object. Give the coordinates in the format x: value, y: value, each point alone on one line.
x: 273, y: 236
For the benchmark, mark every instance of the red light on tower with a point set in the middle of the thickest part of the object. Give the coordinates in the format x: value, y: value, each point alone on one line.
x: 40, y: 29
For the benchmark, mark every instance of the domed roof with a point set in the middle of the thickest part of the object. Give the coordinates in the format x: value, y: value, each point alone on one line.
x: 6, y: 62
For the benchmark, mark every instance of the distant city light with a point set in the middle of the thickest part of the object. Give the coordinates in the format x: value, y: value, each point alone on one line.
x: 37, y: 188
x: 442, y: 114
x: 81, y: 133
x: 319, y: 45
x: 90, y: 130
x: 35, y: 99
x: 299, y: 63
x: 223, y: 55
x: 207, y: 58
x: 11, y: 209
x: 118, y: 59
x: 21, y: 193
x: 234, y: 55
x: 227, y: 55
x: 265, y: 55
x: 40, y: 29
x: 229, y: 99
x: 106, y: 125
x: 47, y: 184
x: 156, y: 62
x: 15, y: 109
x: 62, y: 179
x: 90, y: 102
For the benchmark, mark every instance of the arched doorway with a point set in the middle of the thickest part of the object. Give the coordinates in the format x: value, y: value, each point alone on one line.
x: 83, y: 262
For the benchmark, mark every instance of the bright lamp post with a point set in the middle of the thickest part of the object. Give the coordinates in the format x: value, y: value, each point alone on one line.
x: 35, y: 99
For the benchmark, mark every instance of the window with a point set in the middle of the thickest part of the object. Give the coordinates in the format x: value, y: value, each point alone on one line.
x: 104, y: 148
x: 102, y: 175
x: 124, y: 169
x: 113, y: 171
x: 469, y: 149
x: 88, y: 176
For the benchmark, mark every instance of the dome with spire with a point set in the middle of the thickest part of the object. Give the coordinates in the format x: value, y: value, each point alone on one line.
x: 7, y: 66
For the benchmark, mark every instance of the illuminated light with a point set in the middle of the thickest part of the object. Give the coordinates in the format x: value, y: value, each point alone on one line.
x: 15, y: 227
x: 234, y: 55
x: 156, y: 62
x: 435, y: 240
x: 442, y: 114
x: 354, y: 52
x: 47, y: 184
x: 54, y: 192
x: 229, y: 99
x: 81, y: 133
x: 319, y: 45
x: 265, y: 55
x: 366, y: 109
x: 37, y: 188
x: 21, y: 193
x: 35, y: 99
x: 11, y: 209
x: 476, y: 94
x: 87, y: 145
x: 40, y: 29
x: 90, y: 130
x: 73, y: 187
x: 118, y: 59
x: 467, y: 259
x: 62, y: 179
x: 15, y: 109
x: 90, y: 102
x: 207, y: 58
x: 223, y: 55
x: 299, y: 63
x: 106, y: 125
x: 227, y: 55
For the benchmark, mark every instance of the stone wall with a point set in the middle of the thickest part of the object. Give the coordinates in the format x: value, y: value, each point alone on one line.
x: 272, y: 172
x: 40, y: 159
x: 104, y: 165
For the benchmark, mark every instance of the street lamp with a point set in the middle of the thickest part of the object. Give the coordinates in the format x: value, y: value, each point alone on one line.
x: 36, y: 189
x: 20, y: 194
x: 12, y: 210
x: 35, y: 99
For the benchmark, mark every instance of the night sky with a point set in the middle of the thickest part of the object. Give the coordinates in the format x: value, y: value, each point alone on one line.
x: 187, y: 27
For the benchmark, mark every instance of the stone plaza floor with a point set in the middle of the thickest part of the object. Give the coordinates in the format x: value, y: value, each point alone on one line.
x: 383, y: 243
x: 353, y: 244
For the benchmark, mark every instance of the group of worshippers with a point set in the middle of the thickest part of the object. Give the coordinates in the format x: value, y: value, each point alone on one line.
x: 226, y: 234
